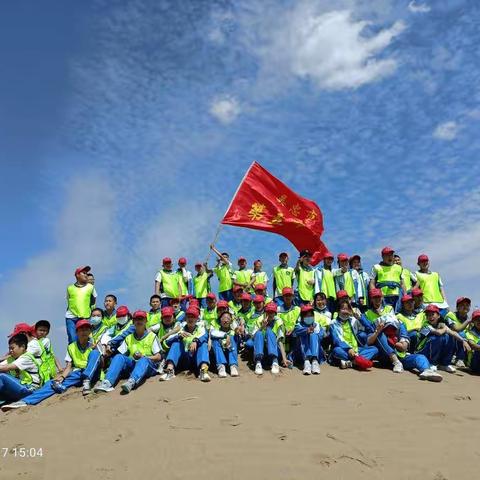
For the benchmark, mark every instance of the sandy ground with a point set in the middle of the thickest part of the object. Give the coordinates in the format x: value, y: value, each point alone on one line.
x: 342, y: 424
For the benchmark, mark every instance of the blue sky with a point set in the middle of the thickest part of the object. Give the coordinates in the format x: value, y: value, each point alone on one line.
x: 125, y: 128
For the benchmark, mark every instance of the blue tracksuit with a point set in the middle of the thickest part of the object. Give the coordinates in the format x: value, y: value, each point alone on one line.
x: 308, y: 345
x: 439, y: 349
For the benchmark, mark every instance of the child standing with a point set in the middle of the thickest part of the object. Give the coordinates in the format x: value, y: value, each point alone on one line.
x: 223, y: 270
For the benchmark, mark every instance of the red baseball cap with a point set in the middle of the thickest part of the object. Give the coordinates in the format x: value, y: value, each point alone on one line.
x: 422, y: 258
x: 387, y: 250
x: 122, y: 311
x: 211, y: 295
x: 236, y: 288
x: 22, y: 328
x: 222, y: 304
x: 246, y: 296
x: 193, y: 311
x: 271, y: 307
x: 85, y: 269
x: 328, y: 254
x: 167, y: 312
x: 83, y: 322
x: 463, y: 299
x: 342, y: 294
x: 406, y: 298
x: 182, y: 261
x: 432, y: 308
x: 306, y: 308
x: 198, y: 264
x: 260, y: 286
x: 342, y: 256
x: 166, y: 260
x: 375, y: 293
x: 139, y: 314
x: 258, y: 299
x: 242, y: 259
x: 287, y: 291
x: 475, y: 314
x: 416, y: 292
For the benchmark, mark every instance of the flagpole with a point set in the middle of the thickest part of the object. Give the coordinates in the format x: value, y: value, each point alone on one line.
x: 220, y: 224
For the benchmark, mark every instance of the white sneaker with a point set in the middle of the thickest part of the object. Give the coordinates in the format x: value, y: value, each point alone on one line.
x: 275, y: 368
x: 345, y: 364
x: 397, y: 367
x: 128, y: 386
x: 307, y: 368
x: 13, y: 406
x: 460, y: 364
x: 315, y: 367
x: 233, y: 371
x: 161, y: 367
x: 87, y: 389
x: 258, y: 368
x: 204, y: 376
x: 430, y: 375
x: 103, y: 386
x: 433, y: 368
x: 167, y: 375
x: 447, y: 368
x: 222, y: 372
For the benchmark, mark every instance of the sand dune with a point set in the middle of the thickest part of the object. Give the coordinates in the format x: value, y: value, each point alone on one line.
x: 342, y: 424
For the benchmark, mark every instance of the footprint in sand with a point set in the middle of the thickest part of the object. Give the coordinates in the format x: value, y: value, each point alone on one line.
x: 437, y: 414
x: 232, y: 422
x: 462, y: 397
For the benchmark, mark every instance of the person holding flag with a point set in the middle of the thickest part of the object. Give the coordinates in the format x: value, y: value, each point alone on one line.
x: 223, y: 270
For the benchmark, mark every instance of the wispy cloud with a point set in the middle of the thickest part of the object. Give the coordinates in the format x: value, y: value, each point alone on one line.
x: 418, y: 7
x: 446, y: 130
x: 225, y: 109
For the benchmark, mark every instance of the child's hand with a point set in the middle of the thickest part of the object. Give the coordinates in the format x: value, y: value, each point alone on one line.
x: 466, y: 346
x: 380, y: 326
x: 193, y: 347
x: 137, y: 355
x: 311, y: 329
x: 228, y: 343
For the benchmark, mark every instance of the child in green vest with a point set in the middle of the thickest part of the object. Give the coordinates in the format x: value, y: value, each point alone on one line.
x: 362, y: 283
x: 305, y: 275
x: 472, y: 334
x: 224, y: 345
x: 283, y: 277
x: 413, y: 321
x: 431, y: 285
x: 81, y: 297
x: 167, y: 282
x: 458, y: 321
x: 261, y: 289
x: 407, y: 276
x: 223, y: 270
x: 82, y: 367
x: 417, y: 295
x: 325, y: 282
x: 42, y: 329
x: 153, y: 316
x: 345, y: 278
x: 138, y: 358
x: 109, y: 312
x: 19, y: 364
x: 236, y: 303
x: 243, y: 276
x: 289, y: 314
x: 258, y: 275
x: 201, y: 283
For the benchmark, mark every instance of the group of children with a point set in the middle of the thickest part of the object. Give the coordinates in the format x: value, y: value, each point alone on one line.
x: 342, y: 316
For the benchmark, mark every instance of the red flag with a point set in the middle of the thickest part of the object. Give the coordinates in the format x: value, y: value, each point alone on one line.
x: 263, y: 202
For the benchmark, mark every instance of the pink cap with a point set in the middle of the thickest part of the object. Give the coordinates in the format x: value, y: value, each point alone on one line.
x: 260, y: 286
x: 342, y: 257
x: 375, y: 293
x: 432, y: 308
x: 139, y: 314
x: 193, y: 311
x: 259, y: 299
x: 416, y: 292
x: 342, y: 294
x: 387, y: 250
x: 306, y: 308
x: 182, y: 261
x: 271, y: 307
x: 475, y: 314
x: 22, y: 328
x: 82, y: 323
x: 287, y: 291
x: 422, y: 258
x: 166, y: 260
x: 85, y: 269
x: 167, y: 312
x: 211, y: 295
x: 122, y: 311
x: 246, y: 296
x: 463, y: 299
x: 406, y: 298
x: 328, y: 254
x: 222, y: 304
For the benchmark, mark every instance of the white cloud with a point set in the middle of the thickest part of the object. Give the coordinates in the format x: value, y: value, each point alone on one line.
x: 447, y: 130
x: 225, y: 109
x: 84, y: 233
x: 418, y: 8
x: 330, y: 48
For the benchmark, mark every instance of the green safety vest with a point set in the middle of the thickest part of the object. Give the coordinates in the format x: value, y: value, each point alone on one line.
x: 110, y: 321
x: 252, y: 322
x: 260, y: 277
x: 372, y: 316
x: 197, y: 333
x: 153, y: 318
x: 26, y: 376
x: 118, y: 329
x: 183, y: 285
x: 79, y: 357
x: 234, y: 306
x: 143, y: 345
x: 389, y: 274
x: 453, y: 316
x: 412, y: 322
x: 200, y: 285
x: 277, y: 324
x: 170, y: 284
x: 328, y: 284
x: 407, y: 279
x: 209, y: 315
x: 243, y: 276
x: 48, y: 366
x: 290, y: 317
x: 97, y: 334
x: 349, y: 335
x: 304, y: 289
x: 79, y: 300
x: 430, y: 285
x: 474, y: 336
x: 245, y: 316
x: 321, y: 319
x: 348, y: 284
x: 224, y: 275
x: 283, y: 277
x: 164, y: 329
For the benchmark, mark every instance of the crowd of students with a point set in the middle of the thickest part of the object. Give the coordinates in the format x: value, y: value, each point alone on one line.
x: 341, y: 315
